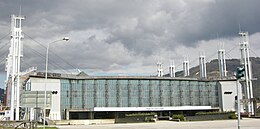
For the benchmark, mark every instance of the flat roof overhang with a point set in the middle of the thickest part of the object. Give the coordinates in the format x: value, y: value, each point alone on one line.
x: 177, y: 108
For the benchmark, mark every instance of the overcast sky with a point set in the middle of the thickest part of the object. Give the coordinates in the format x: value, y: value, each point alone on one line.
x: 128, y: 36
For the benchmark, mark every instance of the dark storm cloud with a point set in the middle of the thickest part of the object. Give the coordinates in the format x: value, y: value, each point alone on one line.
x: 202, y: 20
x: 225, y: 17
x: 115, y: 33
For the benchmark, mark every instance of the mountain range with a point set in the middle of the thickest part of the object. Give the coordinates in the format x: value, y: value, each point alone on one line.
x: 213, y: 73
x: 231, y: 65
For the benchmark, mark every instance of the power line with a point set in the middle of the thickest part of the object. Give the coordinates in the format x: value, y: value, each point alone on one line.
x: 253, y: 52
x: 227, y: 54
x: 210, y: 57
x: 51, y: 52
x: 2, y: 61
x: 5, y: 45
x: 3, y: 54
x: 5, y: 36
x: 3, y: 58
x: 43, y: 57
x: 232, y: 49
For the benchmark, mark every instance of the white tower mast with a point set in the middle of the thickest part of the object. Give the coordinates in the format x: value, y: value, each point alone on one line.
x: 186, y: 67
x: 222, y: 61
x: 172, y: 69
x: 159, y: 69
x: 202, y: 64
x: 13, y: 66
x: 245, y: 61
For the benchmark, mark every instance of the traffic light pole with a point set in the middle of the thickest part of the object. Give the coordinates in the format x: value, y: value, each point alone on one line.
x: 240, y: 72
x: 238, y: 104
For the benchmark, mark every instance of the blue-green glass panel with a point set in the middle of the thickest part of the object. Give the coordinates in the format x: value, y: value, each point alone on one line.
x: 165, y: 93
x: 89, y: 95
x: 100, y: 93
x: 154, y: 93
x: 134, y: 93
x: 175, y: 93
x: 112, y: 93
x: 123, y: 93
x: 144, y: 93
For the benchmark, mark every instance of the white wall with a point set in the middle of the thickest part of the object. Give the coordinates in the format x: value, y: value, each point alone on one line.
x: 227, y: 101
x: 38, y: 84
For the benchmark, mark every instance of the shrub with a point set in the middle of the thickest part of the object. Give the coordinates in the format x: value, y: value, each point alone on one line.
x: 209, y: 113
x: 180, y: 117
x: 213, y: 113
x: 141, y: 114
x: 232, y: 116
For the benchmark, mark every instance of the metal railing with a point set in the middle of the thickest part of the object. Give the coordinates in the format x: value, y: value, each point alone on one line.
x: 18, y: 124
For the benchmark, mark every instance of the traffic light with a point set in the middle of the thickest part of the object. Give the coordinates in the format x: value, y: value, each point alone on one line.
x: 240, y: 72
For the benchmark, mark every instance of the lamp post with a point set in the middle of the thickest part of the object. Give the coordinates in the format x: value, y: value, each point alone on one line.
x: 46, y: 76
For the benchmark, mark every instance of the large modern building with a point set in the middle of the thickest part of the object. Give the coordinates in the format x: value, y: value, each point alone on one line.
x: 88, y: 97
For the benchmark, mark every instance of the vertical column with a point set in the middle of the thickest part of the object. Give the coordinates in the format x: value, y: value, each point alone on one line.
x: 186, y: 66
x: 161, y: 94
x: 13, y: 66
x: 222, y: 62
x: 159, y: 69
x: 200, y: 92
x: 83, y: 87
x: 171, y: 93
x: 150, y: 94
x: 139, y: 93
x: 202, y: 63
x: 208, y: 92
x: 118, y: 93
x: 180, y: 95
x: 106, y: 93
x: 129, y: 93
x: 172, y: 69
x: 95, y: 93
x: 70, y: 94
x: 190, y: 93
x: 245, y: 61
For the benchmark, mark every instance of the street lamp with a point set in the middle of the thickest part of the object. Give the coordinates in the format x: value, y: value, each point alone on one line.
x: 46, y: 70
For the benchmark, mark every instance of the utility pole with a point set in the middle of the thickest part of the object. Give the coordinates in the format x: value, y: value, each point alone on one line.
x: 240, y: 72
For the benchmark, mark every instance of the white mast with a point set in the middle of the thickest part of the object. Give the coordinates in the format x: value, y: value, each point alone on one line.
x: 245, y: 61
x: 202, y: 64
x: 13, y: 66
x: 172, y: 69
x: 186, y: 67
x: 159, y: 69
x: 222, y: 61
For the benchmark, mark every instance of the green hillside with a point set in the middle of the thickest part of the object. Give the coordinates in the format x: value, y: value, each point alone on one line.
x: 232, y: 64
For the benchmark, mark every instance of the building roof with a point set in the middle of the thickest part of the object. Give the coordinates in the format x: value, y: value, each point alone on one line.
x: 84, y: 76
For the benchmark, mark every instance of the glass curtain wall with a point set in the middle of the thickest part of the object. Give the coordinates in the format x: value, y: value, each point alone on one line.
x: 90, y: 93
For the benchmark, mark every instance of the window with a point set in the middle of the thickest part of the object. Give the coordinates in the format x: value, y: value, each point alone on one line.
x: 228, y: 92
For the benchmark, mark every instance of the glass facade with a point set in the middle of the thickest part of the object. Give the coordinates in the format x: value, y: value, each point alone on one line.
x: 110, y: 92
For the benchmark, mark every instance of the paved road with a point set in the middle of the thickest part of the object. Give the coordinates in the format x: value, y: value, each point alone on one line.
x: 223, y: 124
